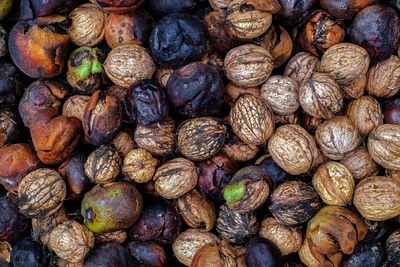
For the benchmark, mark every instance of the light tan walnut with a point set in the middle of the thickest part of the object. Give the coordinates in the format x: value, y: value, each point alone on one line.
x: 360, y: 164
x: 139, y: 166
x: 384, y: 78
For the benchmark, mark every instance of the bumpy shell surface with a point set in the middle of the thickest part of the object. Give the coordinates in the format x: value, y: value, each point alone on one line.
x: 103, y: 165
x: 301, y: 66
x: 360, y: 164
x: 175, y: 178
x: 337, y: 137
x: 75, y: 106
x: 139, y: 165
x: 320, y: 96
x: 384, y: 78
x: 237, y: 150
x: 356, y: 88
x: 127, y: 64
x: 378, y: 198
x: 251, y: 119
x: 248, y: 65
x: 281, y: 94
x: 345, y: 62
x: 41, y: 193
x: 293, y: 149
x: 124, y: 142
x: 219, y: 4
x: 384, y: 146
x: 118, y: 236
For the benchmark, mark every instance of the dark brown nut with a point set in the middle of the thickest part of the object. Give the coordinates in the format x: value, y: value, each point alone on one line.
x: 3, y: 41
x: 312, y: 258
x: 345, y: 62
x: 64, y: 263
x: 248, y: 65
x: 159, y: 141
x: 215, y: 255
x: 189, y: 242
x: 237, y: 150
x: 287, y: 239
x: 377, y: 198
x: 334, y: 183
x: 38, y: 96
x: 383, y: 79
x: 360, y: 164
x: 9, y: 127
x: 301, y: 66
x: 219, y: 4
x: 251, y: 119
x: 162, y: 75
x: 175, y: 178
x: 103, y: 165
x: 310, y: 123
x: 335, y: 229
x: 392, y: 244
x: 196, y: 210
x: 139, y: 166
x: 148, y: 253
x: 118, y: 236
x: 5, y: 251
x: 248, y: 189
x: 293, y: 203
x: 16, y: 161
x: 71, y: 241
x: 235, y: 227
x: 124, y: 142
x: 356, y: 88
x: 201, y: 138
x: 41, y: 193
x: 384, y: 146
x: 102, y: 119
x: 87, y: 28
x: 365, y: 113
x: 320, y: 96
x: 344, y: 9
x: 233, y: 91
x: 286, y: 119
x: 337, y: 137
x: 293, y: 149
x: 75, y: 106
x: 118, y: 92
x: 281, y: 94
x: 128, y: 63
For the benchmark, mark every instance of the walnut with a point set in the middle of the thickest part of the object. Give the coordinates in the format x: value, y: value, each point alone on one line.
x: 251, y: 119
x: 334, y: 183
x: 383, y: 79
x: 301, y: 66
x: 337, y: 137
x: 384, y: 146
x: 278, y: 42
x: 281, y: 94
x: 196, y: 210
x: 237, y: 150
x: 312, y: 258
x: 162, y: 75
x: 103, y: 165
x: 175, y: 178
x: 233, y: 91
x: 287, y: 239
x: 395, y: 175
x: 360, y: 164
x: 286, y: 119
x: 71, y: 241
x: 377, y: 198
x: 293, y: 149
x: 124, y: 142
x: 320, y: 96
x: 248, y: 65
x: 310, y: 123
x: 215, y: 255
x: 139, y: 166
x: 5, y: 251
x: 356, y: 88
x: 219, y: 4
x: 75, y: 106
x: 240, y: 252
x: 118, y: 236
x: 345, y: 62
x: 392, y: 244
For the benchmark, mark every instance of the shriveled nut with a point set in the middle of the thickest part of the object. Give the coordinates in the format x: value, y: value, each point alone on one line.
x: 103, y: 165
x: 383, y: 79
x: 139, y: 166
x: 312, y: 258
x: 75, y: 106
x: 301, y: 66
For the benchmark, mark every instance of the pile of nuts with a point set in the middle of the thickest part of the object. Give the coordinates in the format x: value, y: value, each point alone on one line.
x: 200, y: 133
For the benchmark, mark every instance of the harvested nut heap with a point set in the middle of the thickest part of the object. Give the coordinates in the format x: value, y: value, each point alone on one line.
x: 202, y: 133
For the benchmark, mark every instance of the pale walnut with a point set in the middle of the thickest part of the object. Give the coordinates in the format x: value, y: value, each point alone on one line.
x: 301, y: 67
x: 219, y: 4
x: 103, y: 165
x: 383, y: 79
x: 356, y: 88
x: 139, y: 166
x: 360, y: 164
x: 233, y: 91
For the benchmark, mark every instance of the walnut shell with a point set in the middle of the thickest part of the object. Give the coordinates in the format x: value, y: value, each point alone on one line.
x: 118, y: 236
x: 215, y: 255
x: 334, y: 183
x: 162, y: 75
x: 139, y: 166
x: 377, y: 198
x: 189, y: 242
x: 345, y: 62
x: 392, y: 244
x: 251, y: 119
x: 219, y: 4
x: 175, y: 178
x: 196, y: 210
x: 71, y: 241
x: 287, y: 239
x: 281, y: 94
x: 5, y: 251
x: 383, y: 79
x: 356, y: 88
x: 320, y: 96
x: 365, y: 113
x: 286, y: 119
x: 41, y: 193
x: 128, y: 63
x: 360, y: 164
x: 75, y: 106
x: 293, y: 149
x: 384, y: 146
x: 237, y: 150
x: 103, y: 165
x: 337, y: 137
x: 233, y: 91
x: 248, y: 65
x: 312, y: 258
x: 201, y: 138
x: 301, y: 66
x: 124, y: 142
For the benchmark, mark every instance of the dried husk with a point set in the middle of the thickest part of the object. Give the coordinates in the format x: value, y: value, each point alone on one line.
x: 312, y: 258
x: 139, y: 166
x: 162, y: 75
x: 103, y: 165
x: 219, y: 4
x: 75, y: 106
x: 301, y: 66
x: 360, y: 164
x: 124, y: 142
x: 278, y: 42
x: 383, y: 79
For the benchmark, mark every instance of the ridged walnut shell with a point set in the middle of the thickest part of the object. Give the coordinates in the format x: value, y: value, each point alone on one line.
x: 345, y: 62
x: 356, y: 88
x: 301, y: 66
x: 384, y: 146
x: 334, y: 183
x: 71, y: 241
x: 360, y: 164
x: 103, y: 165
x: 41, y: 193
x: 248, y: 65
x: 215, y: 255
x: 320, y: 96
x: 139, y: 166
x: 383, y: 79
x: 237, y: 150
x: 233, y: 91
x: 128, y: 63
x: 118, y: 236
x: 377, y: 198
x: 219, y: 4
x: 175, y: 178
x: 5, y: 251
x: 251, y: 119
x: 337, y: 137
x: 312, y: 258
x: 281, y: 94
x: 293, y: 149
x: 287, y: 239
x: 365, y: 112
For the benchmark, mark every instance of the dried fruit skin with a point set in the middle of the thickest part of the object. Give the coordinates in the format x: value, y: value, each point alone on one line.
x: 109, y: 254
x: 301, y: 67
x: 139, y: 165
x: 12, y: 223
x: 124, y: 142
x: 148, y: 253
x: 294, y: 11
x: 383, y: 79
x: 344, y: 9
x: 103, y: 165
x: 262, y: 252
x: 75, y: 106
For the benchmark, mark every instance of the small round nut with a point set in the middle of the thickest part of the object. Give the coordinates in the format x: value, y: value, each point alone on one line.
x: 301, y: 66
x: 383, y: 79
x: 139, y: 166
x: 124, y: 142
x: 103, y: 165
x: 360, y: 164
x: 215, y: 255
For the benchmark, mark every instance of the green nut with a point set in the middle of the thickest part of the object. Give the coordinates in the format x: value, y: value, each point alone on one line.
x: 235, y: 192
